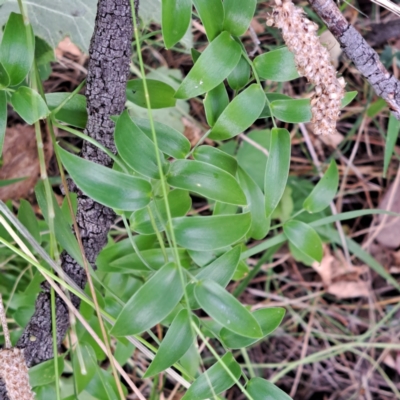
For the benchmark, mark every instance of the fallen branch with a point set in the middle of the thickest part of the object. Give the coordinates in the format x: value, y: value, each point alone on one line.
x: 363, y: 56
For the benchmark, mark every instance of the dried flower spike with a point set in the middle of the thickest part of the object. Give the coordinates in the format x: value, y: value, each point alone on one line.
x: 13, y: 369
x: 312, y: 61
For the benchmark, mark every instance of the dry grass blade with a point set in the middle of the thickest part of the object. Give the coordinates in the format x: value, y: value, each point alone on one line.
x: 394, y: 8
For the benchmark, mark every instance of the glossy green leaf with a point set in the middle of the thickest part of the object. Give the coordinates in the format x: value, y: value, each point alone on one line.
x: 88, y: 358
x: 161, y: 95
x: 135, y: 148
x: 179, y: 202
x: 299, y: 256
x: 239, y: 77
x: 27, y: 217
x: 215, y: 63
x: 73, y: 112
x: 299, y: 110
x: 154, y: 258
x: 215, y: 380
x: 3, y: 119
x: 195, y: 54
x: 44, y: 373
x: 191, y: 361
x: 16, y: 54
x: 276, y: 65
x: 211, y: 13
x: 169, y: 140
x: 226, y: 309
x: 238, y: 15
x: 249, y: 155
x: 29, y: 105
x: 261, y: 389
x: 293, y: 111
x: 215, y: 103
x: 210, y: 233
x: 175, y: 20
x: 266, y: 112
x: 110, y: 188
x: 4, y: 78
x: 151, y: 303
x: 220, y: 271
x: 224, y: 209
x: 212, y: 155
x: 260, y: 224
x: 176, y: 343
x: 268, y: 318
x: 243, y: 110
x: 114, y: 251
x: 324, y: 192
x: 277, y: 169
x: 62, y: 228
x: 391, y: 139
x: 305, y: 238
x: 206, y: 180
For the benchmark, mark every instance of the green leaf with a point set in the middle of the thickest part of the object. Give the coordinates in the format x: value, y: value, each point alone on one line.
x: 212, y: 155
x: 206, y: 180
x: 169, y: 140
x: 215, y: 380
x: 110, y: 188
x: 29, y: 105
x: 210, y: 233
x: 4, y: 78
x: 151, y: 303
x: 82, y: 378
x: 215, y: 102
x: 62, y: 228
x: 299, y: 256
x: 260, y: 224
x: 7, y: 182
x: 27, y: 217
x: 43, y: 374
x: 272, y: 97
x: 135, y: 148
x: 175, y: 20
x: 73, y: 112
x: 220, y: 271
x: 211, y: 13
x: 376, y: 107
x: 268, y: 318
x: 348, y: 98
x: 215, y: 63
x: 226, y: 309
x: 239, y: 77
x: 277, y: 169
x: 324, y: 192
x: 299, y: 110
x: 243, y: 110
x: 238, y: 15
x: 176, y: 343
x: 391, y: 139
x: 16, y: 53
x: 153, y: 257
x: 179, y: 202
x: 293, y: 111
x: 260, y: 389
x: 304, y: 238
x: 276, y: 65
x: 161, y: 95
x: 3, y: 119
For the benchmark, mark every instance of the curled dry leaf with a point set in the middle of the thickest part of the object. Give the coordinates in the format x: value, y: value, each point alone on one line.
x: 340, y: 279
x: 20, y: 160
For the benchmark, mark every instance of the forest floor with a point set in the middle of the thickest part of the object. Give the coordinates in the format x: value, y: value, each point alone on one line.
x: 340, y: 338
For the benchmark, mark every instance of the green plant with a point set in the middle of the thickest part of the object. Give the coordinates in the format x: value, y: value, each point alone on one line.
x: 172, y: 263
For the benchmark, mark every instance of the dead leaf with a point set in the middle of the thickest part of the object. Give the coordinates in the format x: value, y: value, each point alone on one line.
x: 66, y: 46
x: 258, y: 28
x: 389, y: 235
x: 332, y: 45
x: 20, y: 159
x: 339, y: 278
x: 332, y: 140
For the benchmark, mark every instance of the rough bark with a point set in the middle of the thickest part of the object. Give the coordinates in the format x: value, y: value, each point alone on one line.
x: 363, y: 56
x: 109, y: 52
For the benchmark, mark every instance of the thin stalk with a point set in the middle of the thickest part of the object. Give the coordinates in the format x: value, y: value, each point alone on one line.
x: 55, y: 350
